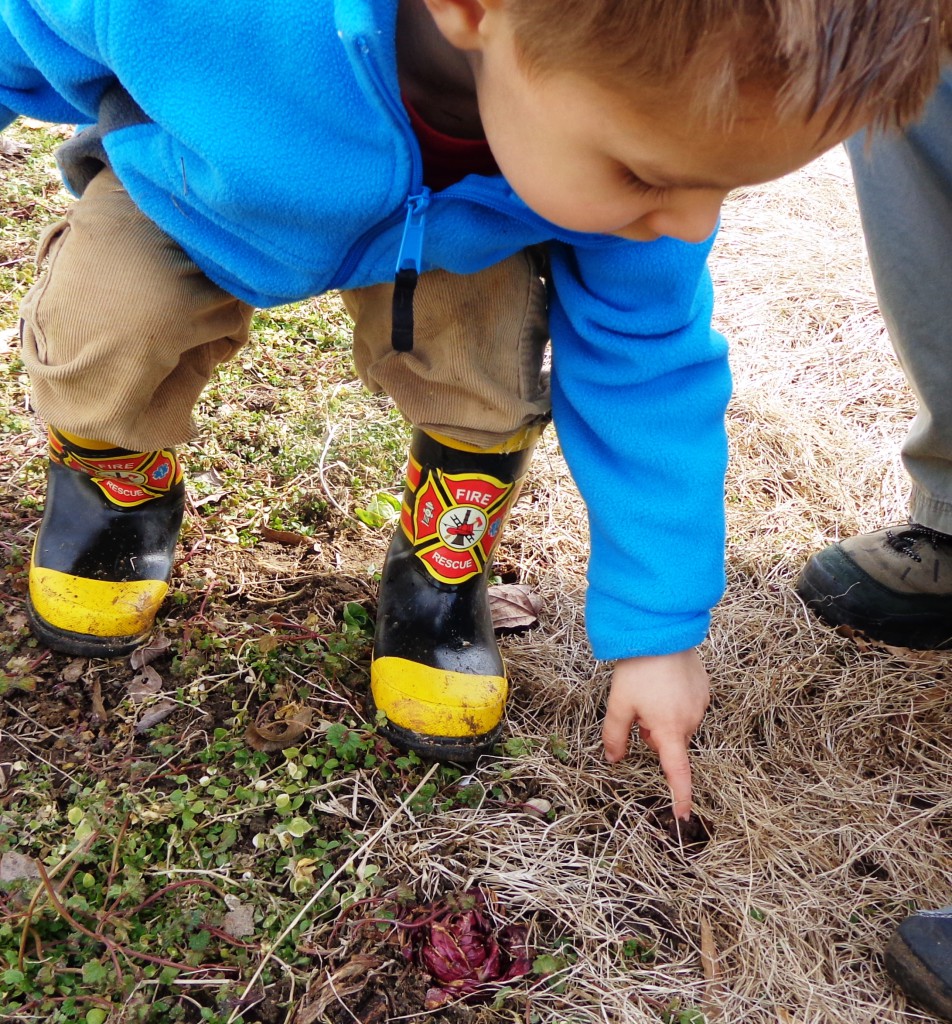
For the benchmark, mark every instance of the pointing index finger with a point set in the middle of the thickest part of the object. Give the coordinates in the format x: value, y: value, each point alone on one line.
x: 673, y: 755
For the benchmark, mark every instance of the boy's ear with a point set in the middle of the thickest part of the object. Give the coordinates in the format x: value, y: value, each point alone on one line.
x: 459, y: 21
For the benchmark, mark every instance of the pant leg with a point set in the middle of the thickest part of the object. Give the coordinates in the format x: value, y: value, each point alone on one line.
x: 904, y: 186
x: 475, y: 372
x: 122, y: 331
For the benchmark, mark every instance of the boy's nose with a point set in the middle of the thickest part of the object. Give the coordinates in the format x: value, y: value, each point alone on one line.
x: 692, y: 220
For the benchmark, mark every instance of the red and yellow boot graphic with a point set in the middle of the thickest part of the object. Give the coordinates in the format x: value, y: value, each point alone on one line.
x: 103, y: 554
x: 437, y: 673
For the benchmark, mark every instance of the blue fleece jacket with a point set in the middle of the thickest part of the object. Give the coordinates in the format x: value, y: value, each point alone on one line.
x: 269, y: 140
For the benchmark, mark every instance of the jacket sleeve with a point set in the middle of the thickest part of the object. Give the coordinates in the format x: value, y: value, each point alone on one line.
x: 42, y: 75
x: 640, y: 384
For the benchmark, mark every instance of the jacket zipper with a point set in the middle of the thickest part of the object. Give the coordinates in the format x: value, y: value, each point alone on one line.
x: 409, y: 264
x: 410, y: 255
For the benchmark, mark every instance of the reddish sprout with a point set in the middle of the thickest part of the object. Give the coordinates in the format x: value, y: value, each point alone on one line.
x: 466, y: 956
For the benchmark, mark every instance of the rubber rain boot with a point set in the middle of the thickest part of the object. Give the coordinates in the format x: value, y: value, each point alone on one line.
x: 437, y: 672
x: 103, y: 554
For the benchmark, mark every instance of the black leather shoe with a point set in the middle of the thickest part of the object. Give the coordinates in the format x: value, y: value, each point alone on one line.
x: 893, y: 585
x: 919, y: 958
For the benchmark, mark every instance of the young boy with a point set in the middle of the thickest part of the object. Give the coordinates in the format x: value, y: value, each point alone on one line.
x: 435, y: 160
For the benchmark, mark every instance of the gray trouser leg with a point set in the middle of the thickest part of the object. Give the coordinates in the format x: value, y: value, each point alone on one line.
x: 904, y: 185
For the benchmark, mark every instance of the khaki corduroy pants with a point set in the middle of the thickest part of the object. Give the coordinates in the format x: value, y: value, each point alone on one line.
x: 122, y: 331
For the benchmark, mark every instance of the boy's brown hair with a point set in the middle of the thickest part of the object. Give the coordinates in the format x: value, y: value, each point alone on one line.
x: 846, y: 58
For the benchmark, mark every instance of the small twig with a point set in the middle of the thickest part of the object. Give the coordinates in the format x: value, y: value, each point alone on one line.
x: 324, y: 487
x: 114, y: 865
x: 37, y: 661
x: 270, y: 601
x: 346, y: 912
x: 408, y: 925
x: 220, y: 933
x: 40, y: 889
x: 32, y: 750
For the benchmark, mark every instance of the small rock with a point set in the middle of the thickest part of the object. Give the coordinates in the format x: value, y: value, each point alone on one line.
x: 15, y: 865
x: 240, y: 921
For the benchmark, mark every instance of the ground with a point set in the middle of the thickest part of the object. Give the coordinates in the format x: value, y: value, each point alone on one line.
x: 162, y: 861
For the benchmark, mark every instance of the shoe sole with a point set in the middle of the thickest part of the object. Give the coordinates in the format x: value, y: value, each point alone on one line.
x: 916, y: 980
x: 82, y: 645
x: 826, y: 590
x: 461, y: 749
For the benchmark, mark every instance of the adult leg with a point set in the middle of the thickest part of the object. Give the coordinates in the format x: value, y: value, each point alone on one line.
x: 896, y: 584
x: 120, y: 334
x: 474, y: 391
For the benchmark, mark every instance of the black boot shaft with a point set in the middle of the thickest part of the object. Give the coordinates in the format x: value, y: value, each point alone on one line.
x: 85, y: 534
x: 457, y: 617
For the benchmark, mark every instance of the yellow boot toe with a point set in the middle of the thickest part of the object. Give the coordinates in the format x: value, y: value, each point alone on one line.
x: 92, y: 617
x: 437, y: 712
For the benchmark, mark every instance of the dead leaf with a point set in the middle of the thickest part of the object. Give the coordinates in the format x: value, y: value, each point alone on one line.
x: 73, y: 671
x: 277, y: 728
x: 209, y: 476
x: 708, y: 951
x: 15, y: 865
x: 213, y: 479
x: 157, y: 713
x: 11, y: 149
x: 514, y: 607
x: 710, y: 965
x: 912, y: 655
x: 209, y: 499
x: 334, y: 987
x: 8, y: 338
x: 146, y: 683
x: 269, y: 643
x: 155, y: 648
x: 858, y: 639
x: 62, y: 131
x: 99, y: 709
x: 934, y: 695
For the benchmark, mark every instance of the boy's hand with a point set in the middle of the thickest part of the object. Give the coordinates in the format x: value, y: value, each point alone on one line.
x: 666, y: 695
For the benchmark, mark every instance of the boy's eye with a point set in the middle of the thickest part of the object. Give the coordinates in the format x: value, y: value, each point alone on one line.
x: 634, y: 182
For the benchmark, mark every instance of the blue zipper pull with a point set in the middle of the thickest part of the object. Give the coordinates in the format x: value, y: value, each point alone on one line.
x: 409, y: 263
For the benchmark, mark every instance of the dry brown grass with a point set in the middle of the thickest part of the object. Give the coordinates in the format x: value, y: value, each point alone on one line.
x: 823, y: 767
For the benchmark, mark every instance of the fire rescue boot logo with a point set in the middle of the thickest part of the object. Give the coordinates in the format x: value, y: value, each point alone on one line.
x: 462, y: 527
x: 454, y: 520
x: 127, y: 479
